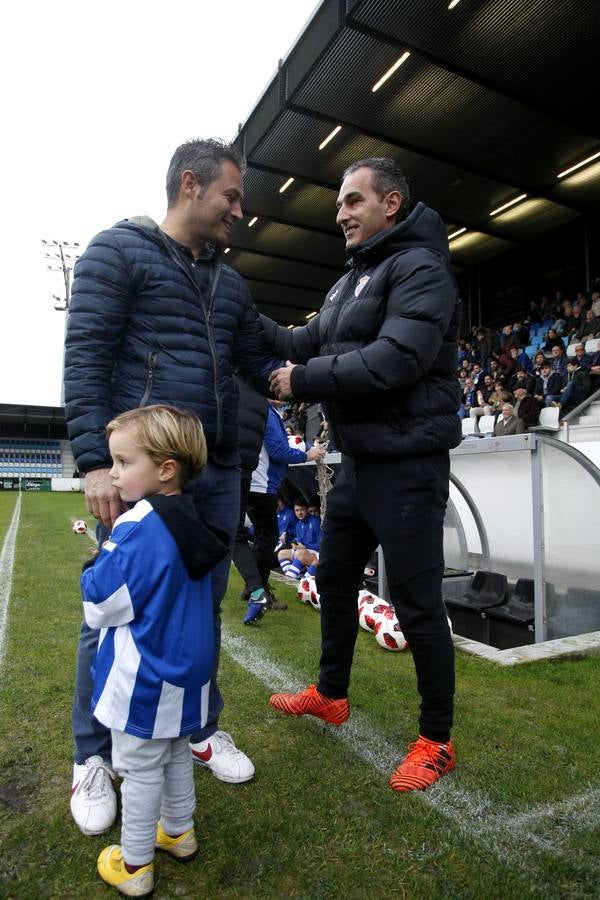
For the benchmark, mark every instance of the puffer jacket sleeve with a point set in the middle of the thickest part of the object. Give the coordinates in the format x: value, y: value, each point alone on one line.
x: 420, y: 306
x: 98, y: 314
x: 252, y: 351
x: 296, y: 344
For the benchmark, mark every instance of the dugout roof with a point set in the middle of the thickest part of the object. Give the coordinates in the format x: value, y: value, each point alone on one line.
x: 489, y: 104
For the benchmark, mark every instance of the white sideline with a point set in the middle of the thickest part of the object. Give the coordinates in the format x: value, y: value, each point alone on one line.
x: 7, y: 558
x: 545, y: 827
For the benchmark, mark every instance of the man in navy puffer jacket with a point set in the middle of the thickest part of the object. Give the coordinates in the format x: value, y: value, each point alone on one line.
x: 381, y: 356
x: 156, y: 317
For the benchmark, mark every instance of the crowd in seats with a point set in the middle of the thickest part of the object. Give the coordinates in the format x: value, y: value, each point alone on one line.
x: 548, y: 358
x: 27, y: 457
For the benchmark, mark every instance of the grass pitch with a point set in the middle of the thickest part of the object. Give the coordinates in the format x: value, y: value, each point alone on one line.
x: 519, y: 818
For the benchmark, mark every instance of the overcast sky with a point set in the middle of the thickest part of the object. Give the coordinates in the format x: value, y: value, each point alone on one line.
x: 95, y: 98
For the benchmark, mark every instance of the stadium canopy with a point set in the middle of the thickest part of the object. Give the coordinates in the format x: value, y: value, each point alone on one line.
x: 484, y: 103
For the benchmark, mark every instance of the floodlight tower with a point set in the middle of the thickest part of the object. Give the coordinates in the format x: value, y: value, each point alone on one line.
x: 61, y: 256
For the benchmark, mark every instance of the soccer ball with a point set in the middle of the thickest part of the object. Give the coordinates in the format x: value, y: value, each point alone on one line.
x: 388, y: 634
x: 365, y: 597
x: 80, y: 527
x: 313, y: 597
x: 304, y: 589
x: 366, y: 619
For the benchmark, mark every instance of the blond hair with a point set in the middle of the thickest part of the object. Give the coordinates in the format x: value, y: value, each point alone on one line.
x: 166, y: 432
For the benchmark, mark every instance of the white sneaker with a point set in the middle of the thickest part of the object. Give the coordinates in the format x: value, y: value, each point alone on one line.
x: 222, y: 757
x: 93, y: 798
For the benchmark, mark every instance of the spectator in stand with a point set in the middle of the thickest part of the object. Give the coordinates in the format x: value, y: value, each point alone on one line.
x: 596, y: 303
x: 494, y: 369
x: 576, y: 319
x: 477, y: 374
x: 498, y: 397
x: 589, y: 328
x: 558, y: 360
x: 468, y: 399
x: 548, y: 385
x: 304, y: 552
x: 523, y: 360
x: 483, y: 394
x: 526, y: 407
x: 507, y: 364
x: 584, y: 359
x: 462, y: 380
x: 538, y: 361
x: 508, y: 339
x: 508, y: 423
x: 594, y: 369
x: 521, y: 378
x: 521, y: 332
x: 577, y: 389
x: 553, y: 339
x: 473, y: 354
x: 486, y: 347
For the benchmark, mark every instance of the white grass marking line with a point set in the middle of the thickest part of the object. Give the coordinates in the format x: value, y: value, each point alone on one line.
x: 474, y: 813
x: 7, y: 558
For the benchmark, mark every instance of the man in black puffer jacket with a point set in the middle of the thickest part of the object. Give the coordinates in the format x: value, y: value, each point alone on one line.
x: 157, y: 317
x: 381, y: 357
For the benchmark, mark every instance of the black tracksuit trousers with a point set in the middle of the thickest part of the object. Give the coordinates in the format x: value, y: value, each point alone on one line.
x: 254, y: 564
x: 400, y: 504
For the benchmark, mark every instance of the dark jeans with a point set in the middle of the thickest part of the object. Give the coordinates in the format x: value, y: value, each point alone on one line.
x: 254, y: 563
x: 218, y: 486
x: 400, y: 504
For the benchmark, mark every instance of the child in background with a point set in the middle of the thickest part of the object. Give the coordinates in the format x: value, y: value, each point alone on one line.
x: 149, y: 592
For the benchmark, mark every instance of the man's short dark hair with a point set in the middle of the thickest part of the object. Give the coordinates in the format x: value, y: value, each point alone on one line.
x: 387, y: 176
x: 203, y: 158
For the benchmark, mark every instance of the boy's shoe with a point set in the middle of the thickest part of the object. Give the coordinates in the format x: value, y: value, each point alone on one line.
x: 93, y: 798
x: 219, y: 754
x: 111, y: 869
x: 256, y: 609
x: 312, y: 703
x: 184, y: 848
x: 423, y: 765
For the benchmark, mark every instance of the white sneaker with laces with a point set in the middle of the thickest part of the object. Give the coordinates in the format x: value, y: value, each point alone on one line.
x: 219, y: 754
x: 93, y: 798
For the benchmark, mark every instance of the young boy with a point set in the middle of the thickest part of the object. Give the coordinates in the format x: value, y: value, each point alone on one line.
x: 304, y: 552
x: 149, y: 592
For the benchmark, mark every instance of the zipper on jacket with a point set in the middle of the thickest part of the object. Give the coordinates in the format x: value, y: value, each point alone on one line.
x: 213, y: 349
x: 208, y: 319
x: 149, y: 377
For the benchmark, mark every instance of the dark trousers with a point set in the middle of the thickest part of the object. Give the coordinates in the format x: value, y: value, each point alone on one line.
x: 400, y: 504
x: 254, y: 563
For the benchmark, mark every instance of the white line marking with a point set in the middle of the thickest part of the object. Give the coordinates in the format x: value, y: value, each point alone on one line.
x: 7, y: 558
x: 474, y: 813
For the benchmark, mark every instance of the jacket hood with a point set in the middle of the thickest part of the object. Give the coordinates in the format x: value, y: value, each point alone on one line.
x: 200, y: 543
x: 423, y: 227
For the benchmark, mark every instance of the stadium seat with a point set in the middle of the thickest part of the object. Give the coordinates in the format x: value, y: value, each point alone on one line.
x: 469, y: 428
x: 468, y: 613
x: 486, y: 425
x: 549, y: 419
x: 512, y: 625
x: 571, y: 351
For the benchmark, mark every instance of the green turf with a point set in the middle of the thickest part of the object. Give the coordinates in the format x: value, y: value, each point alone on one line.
x: 318, y: 821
